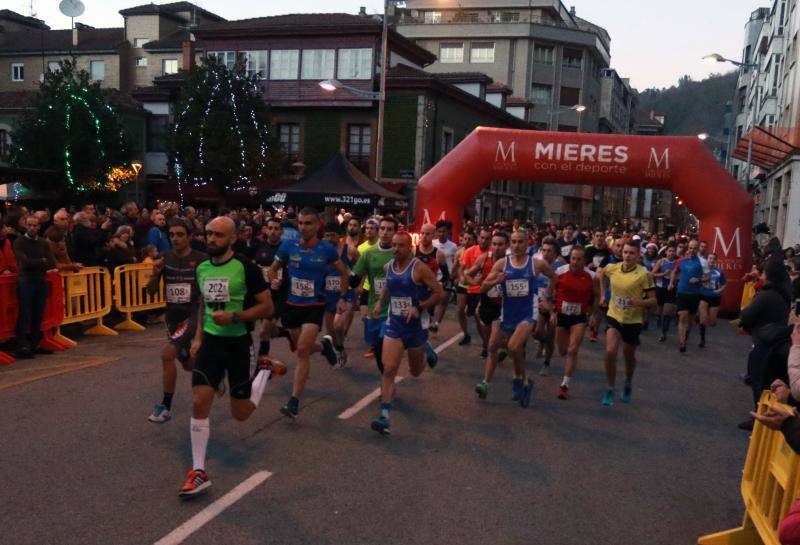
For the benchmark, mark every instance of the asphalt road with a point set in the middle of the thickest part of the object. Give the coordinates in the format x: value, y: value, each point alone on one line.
x: 80, y: 463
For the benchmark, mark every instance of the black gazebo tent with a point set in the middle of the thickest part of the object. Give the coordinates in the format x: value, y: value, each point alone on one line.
x: 336, y: 183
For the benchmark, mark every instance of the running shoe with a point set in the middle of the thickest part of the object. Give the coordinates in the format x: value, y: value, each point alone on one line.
x: 369, y: 355
x: 328, y: 351
x: 290, y: 409
x: 465, y: 341
x: 482, y: 389
x: 196, y: 483
x: 381, y: 425
x: 430, y: 355
x: 545, y: 370
x: 433, y: 327
x: 221, y: 388
x: 627, y: 390
x: 341, y: 361
x: 516, y: 389
x: 484, y: 353
x: 275, y: 367
x: 527, y: 392
x: 662, y: 339
x: 593, y: 336
x: 502, y: 355
x: 563, y: 392
x: 682, y: 348
x: 608, y: 397
x: 160, y: 414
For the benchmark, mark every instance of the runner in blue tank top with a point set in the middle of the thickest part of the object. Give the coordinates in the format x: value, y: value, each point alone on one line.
x: 517, y: 274
x: 662, y: 272
x: 710, y: 297
x: 337, y: 323
x: 408, y: 282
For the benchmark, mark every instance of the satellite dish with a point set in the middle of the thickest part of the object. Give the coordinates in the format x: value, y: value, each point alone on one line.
x: 72, y: 8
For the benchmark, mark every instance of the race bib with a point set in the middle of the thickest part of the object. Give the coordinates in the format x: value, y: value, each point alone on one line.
x: 380, y: 283
x: 570, y: 309
x: 400, y: 305
x: 623, y: 302
x: 265, y: 274
x: 333, y: 283
x: 597, y: 260
x: 493, y: 293
x: 179, y: 293
x: 302, y: 287
x: 216, y: 290
x: 565, y: 250
x: 517, y: 288
x: 279, y: 274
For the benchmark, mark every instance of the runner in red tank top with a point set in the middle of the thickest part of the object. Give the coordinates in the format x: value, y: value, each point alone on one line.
x: 577, y: 292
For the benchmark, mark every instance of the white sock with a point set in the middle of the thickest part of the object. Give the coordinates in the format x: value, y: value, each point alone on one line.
x: 200, y: 430
x: 565, y: 381
x: 258, y: 385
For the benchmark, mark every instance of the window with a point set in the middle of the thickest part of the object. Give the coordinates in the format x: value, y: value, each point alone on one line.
x: 465, y: 17
x: 98, y: 70
x: 256, y: 63
x: 355, y: 63
x: 541, y: 94
x: 481, y: 52
x: 432, y: 17
x: 572, y: 58
x: 54, y: 66
x: 228, y: 58
x: 543, y: 54
x: 570, y: 96
x: 284, y: 64
x: 141, y: 61
x: 318, y: 63
x: 169, y: 66
x: 448, y: 141
x: 17, y: 71
x: 505, y: 17
x: 157, y: 126
x: 5, y: 145
x: 139, y: 42
x: 451, y: 52
x: 289, y: 134
x: 359, y: 145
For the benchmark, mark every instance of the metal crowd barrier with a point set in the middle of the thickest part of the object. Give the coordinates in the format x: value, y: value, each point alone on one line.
x: 131, y: 296
x: 87, y: 297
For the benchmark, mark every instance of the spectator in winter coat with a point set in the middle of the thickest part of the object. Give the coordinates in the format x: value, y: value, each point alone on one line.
x: 158, y: 235
x: 88, y: 241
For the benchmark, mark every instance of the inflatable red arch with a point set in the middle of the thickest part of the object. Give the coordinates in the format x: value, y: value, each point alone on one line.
x: 679, y: 164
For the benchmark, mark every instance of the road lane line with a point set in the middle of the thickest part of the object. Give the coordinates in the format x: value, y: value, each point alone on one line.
x: 376, y: 393
x: 208, y: 514
x: 62, y: 371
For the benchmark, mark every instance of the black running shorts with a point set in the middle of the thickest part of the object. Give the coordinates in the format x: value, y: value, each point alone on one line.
x: 219, y: 356
x: 630, y: 332
x: 295, y: 316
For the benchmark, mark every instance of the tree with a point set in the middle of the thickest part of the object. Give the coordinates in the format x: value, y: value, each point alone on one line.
x: 73, y: 130
x: 221, y: 131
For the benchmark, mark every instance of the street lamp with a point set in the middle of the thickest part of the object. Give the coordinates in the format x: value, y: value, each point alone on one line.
x: 331, y: 85
x: 580, y: 108
x: 716, y: 57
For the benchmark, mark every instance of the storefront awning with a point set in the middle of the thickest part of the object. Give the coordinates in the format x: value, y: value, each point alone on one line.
x: 765, y: 148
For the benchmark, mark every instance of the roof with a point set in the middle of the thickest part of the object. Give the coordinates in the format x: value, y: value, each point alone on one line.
x: 170, y: 42
x: 89, y: 39
x: 336, y: 178
x: 20, y: 100
x: 32, y: 22
x: 498, y: 87
x: 518, y: 101
x: 320, y: 24
x: 763, y: 147
x: 169, y: 9
x: 465, y: 77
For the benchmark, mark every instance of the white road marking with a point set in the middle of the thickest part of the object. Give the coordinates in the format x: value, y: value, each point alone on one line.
x: 376, y: 393
x: 205, y: 516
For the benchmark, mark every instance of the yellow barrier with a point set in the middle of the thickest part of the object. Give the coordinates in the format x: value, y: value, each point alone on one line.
x: 130, y: 295
x: 769, y: 487
x: 87, y: 296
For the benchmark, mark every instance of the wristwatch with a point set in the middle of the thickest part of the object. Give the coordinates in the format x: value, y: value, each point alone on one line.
x: 236, y: 319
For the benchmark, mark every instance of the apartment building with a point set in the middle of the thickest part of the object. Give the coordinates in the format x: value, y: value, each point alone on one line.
x: 543, y: 51
x: 766, y: 133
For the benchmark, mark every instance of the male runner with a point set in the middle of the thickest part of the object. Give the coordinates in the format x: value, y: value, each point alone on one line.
x: 307, y: 261
x: 490, y: 306
x: 567, y: 240
x: 177, y: 267
x: 687, y: 276
x: 468, y: 240
x: 435, y: 260
x: 337, y: 323
x: 232, y: 293
x: 710, y: 297
x: 576, y: 293
x: 371, y: 267
x: 264, y: 257
x: 662, y: 273
x: 517, y: 275
x: 353, y: 238
x: 370, y: 240
x: 469, y: 259
x: 598, y: 255
x: 632, y: 290
x: 411, y: 289
x: 545, y: 331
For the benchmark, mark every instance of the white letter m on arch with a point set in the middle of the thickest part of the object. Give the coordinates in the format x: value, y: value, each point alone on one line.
x: 726, y: 248
x: 502, y: 152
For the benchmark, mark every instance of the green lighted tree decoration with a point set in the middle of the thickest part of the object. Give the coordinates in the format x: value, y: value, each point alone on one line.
x: 221, y: 134
x: 73, y: 130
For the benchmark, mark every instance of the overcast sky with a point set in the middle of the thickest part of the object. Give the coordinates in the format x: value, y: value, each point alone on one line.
x: 653, y: 42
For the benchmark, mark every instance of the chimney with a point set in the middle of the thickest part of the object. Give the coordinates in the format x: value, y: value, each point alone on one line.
x: 572, y: 10
x: 75, y: 37
x: 188, y: 54
x: 362, y: 10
